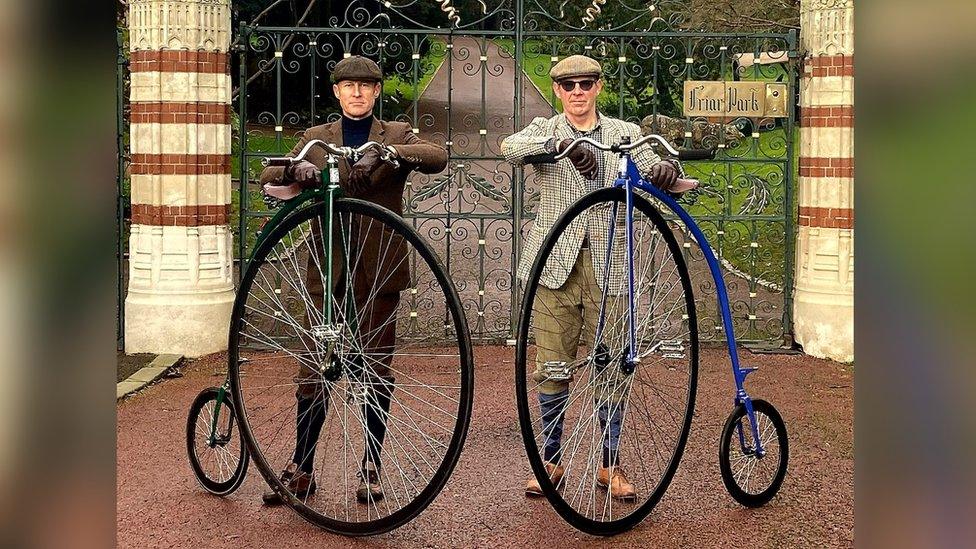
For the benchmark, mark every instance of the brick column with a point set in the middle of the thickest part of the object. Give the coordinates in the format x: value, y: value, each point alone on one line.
x: 824, y: 298
x: 180, y: 268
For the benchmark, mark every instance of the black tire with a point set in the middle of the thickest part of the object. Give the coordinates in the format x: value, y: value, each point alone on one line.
x: 605, y: 526
x: 769, y: 483
x: 449, y: 317
x: 231, y: 465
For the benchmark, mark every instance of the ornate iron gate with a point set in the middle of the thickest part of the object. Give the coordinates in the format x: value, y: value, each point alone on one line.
x: 469, y: 77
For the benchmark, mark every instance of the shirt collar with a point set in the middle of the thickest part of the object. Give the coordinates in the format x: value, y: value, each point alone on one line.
x: 599, y: 124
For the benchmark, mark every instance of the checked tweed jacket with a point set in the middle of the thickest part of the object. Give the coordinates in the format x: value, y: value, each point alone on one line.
x: 560, y: 186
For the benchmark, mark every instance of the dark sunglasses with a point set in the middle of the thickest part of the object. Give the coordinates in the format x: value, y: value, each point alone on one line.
x: 570, y: 85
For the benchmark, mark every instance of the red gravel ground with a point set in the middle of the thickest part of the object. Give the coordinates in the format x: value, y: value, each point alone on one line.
x: 161, y: 505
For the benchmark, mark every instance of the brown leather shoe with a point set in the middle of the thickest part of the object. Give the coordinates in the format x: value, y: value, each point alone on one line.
x: 555, y: 471
x: 615, y: 478
x: 370, y: 488
x: 299, y: 483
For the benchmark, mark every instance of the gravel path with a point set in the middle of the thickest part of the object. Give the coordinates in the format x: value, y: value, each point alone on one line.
x: 161, y: 505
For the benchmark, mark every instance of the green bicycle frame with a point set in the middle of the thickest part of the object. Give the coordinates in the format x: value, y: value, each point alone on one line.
x: 212, y: 441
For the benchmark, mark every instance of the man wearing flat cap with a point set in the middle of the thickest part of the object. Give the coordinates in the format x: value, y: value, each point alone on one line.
x: 569, y: 296
x: 357, y: 82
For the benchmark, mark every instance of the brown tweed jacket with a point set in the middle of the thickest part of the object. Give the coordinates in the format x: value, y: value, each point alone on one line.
x: 386, y: 190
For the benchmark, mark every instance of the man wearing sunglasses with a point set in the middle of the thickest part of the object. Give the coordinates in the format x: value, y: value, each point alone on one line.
x: 569, y: 297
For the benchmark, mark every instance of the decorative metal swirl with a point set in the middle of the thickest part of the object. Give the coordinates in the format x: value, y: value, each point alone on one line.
x: 444, y: 76
x: 592, y: 12
x: 624, y: 17
x: 451, y: 11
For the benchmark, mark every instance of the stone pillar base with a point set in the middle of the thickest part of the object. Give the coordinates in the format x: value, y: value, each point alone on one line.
x: 824, y: 324
x: 188, y: 324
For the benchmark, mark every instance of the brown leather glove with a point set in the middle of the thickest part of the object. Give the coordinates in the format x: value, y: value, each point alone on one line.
x: 360, y: 173
x: 663, y: 175
x: 582, y: 158
x: 304, y: 173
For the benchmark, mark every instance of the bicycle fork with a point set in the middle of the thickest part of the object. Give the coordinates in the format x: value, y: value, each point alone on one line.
x: 213, y: 440
x: 331, y: 333
x: 629, y: 360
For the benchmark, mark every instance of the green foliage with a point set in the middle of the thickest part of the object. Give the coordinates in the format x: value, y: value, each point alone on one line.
x: 257, y: 145
x: 399, y: 90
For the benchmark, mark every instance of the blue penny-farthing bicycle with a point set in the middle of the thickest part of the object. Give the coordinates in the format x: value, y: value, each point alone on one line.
x: 628, y: 395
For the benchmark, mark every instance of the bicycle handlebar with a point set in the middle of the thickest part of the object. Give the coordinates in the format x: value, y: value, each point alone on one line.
x: 345, y: 152
x: 681, y: 154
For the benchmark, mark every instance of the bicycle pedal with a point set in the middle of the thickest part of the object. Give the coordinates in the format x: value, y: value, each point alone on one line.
x: 327, y: 333
x: 556, y: 370
x: 672, y: 348
x: 600, y: 357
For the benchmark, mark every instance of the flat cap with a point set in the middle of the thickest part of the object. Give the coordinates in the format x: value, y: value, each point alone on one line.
x: 575, y: 65
x: 357, y: 67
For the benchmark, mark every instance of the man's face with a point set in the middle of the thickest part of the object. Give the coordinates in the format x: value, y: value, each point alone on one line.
x: 578, y: 101
x: 356, y: 98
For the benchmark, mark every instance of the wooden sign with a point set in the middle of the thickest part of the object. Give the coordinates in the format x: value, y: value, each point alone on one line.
x: 733, y: 99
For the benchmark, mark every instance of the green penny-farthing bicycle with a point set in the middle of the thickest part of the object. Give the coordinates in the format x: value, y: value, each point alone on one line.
x: 312, y: 312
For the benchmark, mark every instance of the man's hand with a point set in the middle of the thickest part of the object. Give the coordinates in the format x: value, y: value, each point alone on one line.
x: 304, y: 173
x: 663, y: 175
x: 360, y: 173
x: 582, y: 158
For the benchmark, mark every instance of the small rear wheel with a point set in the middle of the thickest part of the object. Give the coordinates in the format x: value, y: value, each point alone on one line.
x: 213, y: 442
x: 753, y: 479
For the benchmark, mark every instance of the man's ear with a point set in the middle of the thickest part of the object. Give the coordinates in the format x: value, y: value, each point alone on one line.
x: 335, y: 89
x: 377, y: 88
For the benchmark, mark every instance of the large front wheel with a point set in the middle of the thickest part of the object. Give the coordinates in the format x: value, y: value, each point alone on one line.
x: 604, y: 434
x: 357, y: 375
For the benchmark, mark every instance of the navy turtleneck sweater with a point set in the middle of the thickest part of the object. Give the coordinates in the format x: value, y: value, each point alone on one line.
x: 355, y: 132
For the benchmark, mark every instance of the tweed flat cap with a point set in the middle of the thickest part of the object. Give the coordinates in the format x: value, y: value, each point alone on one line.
x: 357, y: 68
x: 575, y: 65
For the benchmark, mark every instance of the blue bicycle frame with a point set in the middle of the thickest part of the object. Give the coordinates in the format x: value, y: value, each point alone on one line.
x: 629, y: 178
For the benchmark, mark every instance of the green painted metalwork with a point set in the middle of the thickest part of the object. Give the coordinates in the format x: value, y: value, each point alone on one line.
x: 468, y: 86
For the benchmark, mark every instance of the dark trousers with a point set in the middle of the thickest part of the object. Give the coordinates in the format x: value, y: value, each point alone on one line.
x: 370, y: 369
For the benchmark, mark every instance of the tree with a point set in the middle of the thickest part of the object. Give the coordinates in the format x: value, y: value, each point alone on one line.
x: 743, y: 15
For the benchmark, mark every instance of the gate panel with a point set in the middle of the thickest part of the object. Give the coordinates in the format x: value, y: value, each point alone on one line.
x: 467, y: 87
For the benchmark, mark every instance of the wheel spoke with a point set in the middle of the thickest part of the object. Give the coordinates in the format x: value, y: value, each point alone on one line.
x: 638, y: 418
x: 386, y: 398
